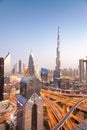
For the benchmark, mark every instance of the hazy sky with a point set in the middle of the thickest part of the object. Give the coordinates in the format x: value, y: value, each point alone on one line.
x: 33, y: 25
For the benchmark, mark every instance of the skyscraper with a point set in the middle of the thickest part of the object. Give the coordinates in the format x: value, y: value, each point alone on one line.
x: 81, y: 70
x: 58, y: 53
x: 7, y: 64
x: 31, y: 65
x: 56, y: 73
x: 19, y: 66
x: 86, y: 70
x: 1, y: 77
x: 33, y: 113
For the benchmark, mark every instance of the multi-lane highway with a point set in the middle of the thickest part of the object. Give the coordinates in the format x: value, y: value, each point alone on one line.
x: 7, y: 108
x: 59, y: 125
x: 60, y: 107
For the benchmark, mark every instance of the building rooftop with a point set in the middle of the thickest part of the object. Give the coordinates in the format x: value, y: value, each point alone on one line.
x: 26, y: 79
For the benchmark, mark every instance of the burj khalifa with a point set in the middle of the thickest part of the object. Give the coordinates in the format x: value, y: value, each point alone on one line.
x: 58, y: 53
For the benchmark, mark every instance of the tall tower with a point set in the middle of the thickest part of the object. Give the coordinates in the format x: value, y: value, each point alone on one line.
x: 31, y: 65
x: 33, y: 110
x: 1, y: 78
x: 19, y: 66
x: 81, y: 70
x: 58, y: 53
x: 7, y: 64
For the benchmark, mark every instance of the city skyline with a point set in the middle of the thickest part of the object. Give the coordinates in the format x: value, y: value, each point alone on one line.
x: 34, y: 25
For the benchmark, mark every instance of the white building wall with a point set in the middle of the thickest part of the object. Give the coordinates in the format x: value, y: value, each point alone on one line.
x: 7, y: 64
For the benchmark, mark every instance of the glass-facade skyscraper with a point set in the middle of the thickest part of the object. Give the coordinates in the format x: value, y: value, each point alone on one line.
x: 81, y: 70
x: 33, y: 113
x: 1, y: 78
x: 31, y: 65
x: 19, y: 66
x: 7, y: 64
x: 58, y: 53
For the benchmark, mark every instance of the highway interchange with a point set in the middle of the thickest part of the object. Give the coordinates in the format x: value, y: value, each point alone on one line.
x: 60, y: 109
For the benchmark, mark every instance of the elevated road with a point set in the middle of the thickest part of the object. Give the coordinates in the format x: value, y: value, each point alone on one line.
x: 63, y: 109
x: 59, y: 125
